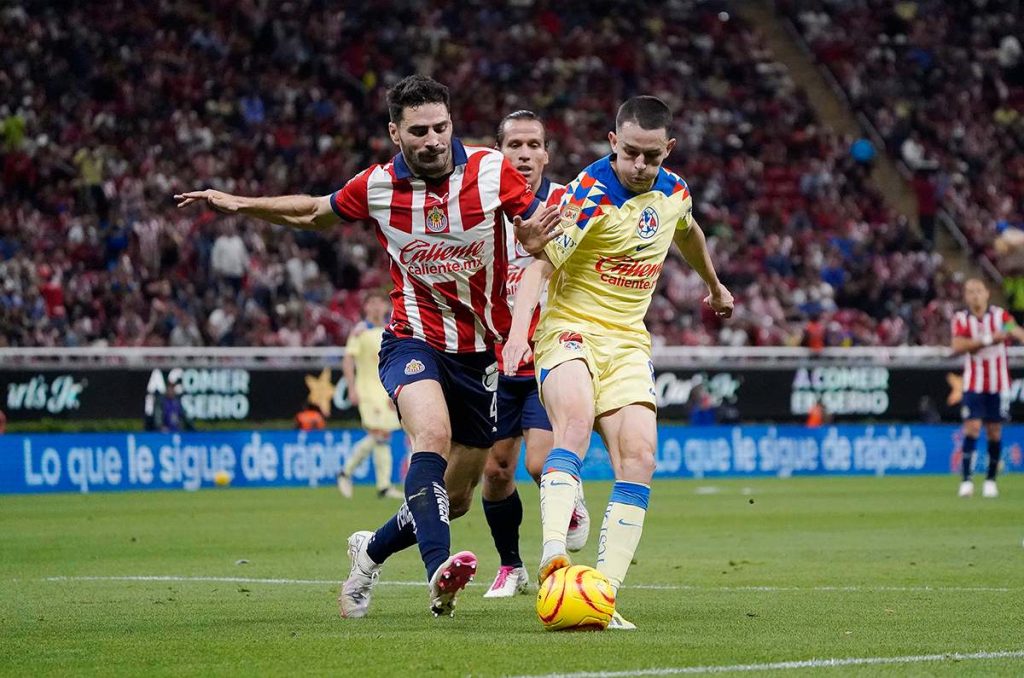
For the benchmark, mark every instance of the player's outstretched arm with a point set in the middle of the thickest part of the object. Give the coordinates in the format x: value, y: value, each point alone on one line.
x: 694, y: 248
x: 517, y: 348
x: 299, y: 211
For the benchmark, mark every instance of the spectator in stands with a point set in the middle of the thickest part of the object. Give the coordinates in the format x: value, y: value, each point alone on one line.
x: 83, y: 182
x: 229, y: 258
x: 927, y: 193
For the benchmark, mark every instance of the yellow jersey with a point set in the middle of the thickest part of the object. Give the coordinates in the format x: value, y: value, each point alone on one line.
x: 613, y: 247
x: 364, y: 346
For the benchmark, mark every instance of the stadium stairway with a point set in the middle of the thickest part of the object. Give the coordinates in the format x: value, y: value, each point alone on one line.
x: 830, y: 106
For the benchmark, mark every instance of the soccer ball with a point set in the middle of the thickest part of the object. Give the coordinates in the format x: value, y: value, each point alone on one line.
x: 574, y: 598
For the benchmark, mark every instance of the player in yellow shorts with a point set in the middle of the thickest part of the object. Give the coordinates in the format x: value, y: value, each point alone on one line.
x: 376, y: 410
x: 619, y: 218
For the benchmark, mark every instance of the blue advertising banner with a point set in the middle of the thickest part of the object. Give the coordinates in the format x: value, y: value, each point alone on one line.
x: 189, y: 461
x: 91, y: 462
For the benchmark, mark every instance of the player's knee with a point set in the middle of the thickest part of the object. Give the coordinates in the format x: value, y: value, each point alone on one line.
x: 972, y: 428
x: 436, y: 439
x: 638, y: 459
x: 498, y: 473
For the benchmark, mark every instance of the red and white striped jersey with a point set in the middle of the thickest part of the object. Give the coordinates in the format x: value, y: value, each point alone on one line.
x: 985, y: 370
x: 519, y: 259
x: 446, y: 243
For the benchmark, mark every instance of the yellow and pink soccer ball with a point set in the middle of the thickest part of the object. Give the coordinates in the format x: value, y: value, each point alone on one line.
x: 575, y: 598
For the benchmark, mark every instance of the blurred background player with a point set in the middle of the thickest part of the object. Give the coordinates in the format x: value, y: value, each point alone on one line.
x: 593, y: 352
x: 376, y: 411
x: 437, y: 207
x: 522, y: 139
x: 980, y: 333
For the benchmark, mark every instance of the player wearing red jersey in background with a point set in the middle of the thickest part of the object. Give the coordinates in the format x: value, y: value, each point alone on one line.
x: 522, y: 139
x: 980, y: 333
x: 439, y: 210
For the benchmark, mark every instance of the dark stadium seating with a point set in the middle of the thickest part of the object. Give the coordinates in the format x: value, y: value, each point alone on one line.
x: 105, y: 115
x: 943, y: 82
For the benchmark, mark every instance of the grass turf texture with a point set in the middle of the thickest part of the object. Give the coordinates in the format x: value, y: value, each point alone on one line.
x: 887, y: 539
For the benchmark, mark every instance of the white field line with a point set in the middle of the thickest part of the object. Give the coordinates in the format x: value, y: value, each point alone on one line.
x: 653, y: 587
x: 800, y: 664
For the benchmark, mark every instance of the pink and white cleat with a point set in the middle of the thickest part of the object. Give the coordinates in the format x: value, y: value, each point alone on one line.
x: 579, y: 525
x: 453, y: 576
x: 510, y: 581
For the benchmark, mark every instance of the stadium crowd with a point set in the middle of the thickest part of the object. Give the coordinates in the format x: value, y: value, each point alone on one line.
x: 105, y: 115
x: 943, y: 82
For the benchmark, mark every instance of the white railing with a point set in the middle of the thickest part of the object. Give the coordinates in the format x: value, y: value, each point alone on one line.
x: 703, y: 357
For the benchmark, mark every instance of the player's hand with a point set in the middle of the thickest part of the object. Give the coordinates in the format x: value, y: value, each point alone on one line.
x: 218, y: 200
x: 537, y: 231
x: 720, y: 300
x: 514, y: 353
x: 998, y: 337
x: 353, y: 396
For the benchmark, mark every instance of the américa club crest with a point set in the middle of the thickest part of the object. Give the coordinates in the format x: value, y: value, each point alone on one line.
x: 648, y: 224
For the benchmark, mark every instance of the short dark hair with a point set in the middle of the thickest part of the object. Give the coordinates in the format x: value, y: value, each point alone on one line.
x: 415, y: 90
x: 646, y: 111
x: 520, y: 115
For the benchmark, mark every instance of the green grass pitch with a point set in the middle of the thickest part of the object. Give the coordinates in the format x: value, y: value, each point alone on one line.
x: 730, y: 573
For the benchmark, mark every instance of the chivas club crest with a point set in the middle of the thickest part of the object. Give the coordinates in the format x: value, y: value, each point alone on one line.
x: 436, y: 220
x: 648, y: 224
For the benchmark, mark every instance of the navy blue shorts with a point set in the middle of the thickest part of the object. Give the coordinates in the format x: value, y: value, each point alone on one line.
x: 469, y: 382
x: 519, y: 407
x: 989, y: 407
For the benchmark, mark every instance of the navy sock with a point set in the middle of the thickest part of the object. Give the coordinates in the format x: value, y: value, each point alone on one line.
x: 397, y: 534
x: 504, y: 518
x: 968, y: 456
x: 427, y: 498
x: 995, y: 450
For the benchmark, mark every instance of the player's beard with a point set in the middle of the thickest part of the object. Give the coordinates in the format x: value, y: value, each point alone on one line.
x: 429, y: 166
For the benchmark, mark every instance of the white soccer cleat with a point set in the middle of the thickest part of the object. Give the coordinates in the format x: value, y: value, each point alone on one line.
x: 619, y: 624
x: 354, y: 599
x: 509, y: 581
x: 989, y: 490
x: 966, y: 489
x: 579, y: 525
x: 453, y: 576
x: 344, y: 485
x: 391, y: 492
